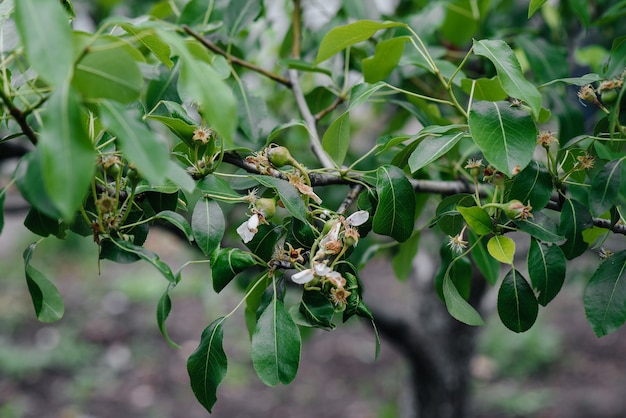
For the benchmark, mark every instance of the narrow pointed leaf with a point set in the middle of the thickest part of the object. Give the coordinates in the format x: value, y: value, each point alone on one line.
x: 430, y: 149
x: 517, y: 305
x: 163, y: 311
x: 208, y: 225
x: 47, y: 300
x: 218, y: 188
x: 506, y: 136
x: 138, y: 143
x: 342, y: 37
x: 68, y: 156
x: 207, y: 365
x: 605, y: 295
x: 605, y: 187
x: 575, y: 217
x: 47, y: 37
x: 228, y: 263
x: 458, y: 307
x: 509, y: 72
x: 396, y: 204
x: 477, y: 219
x: 336, y: 139
x: 276, y: 345
x: 540, y: 226
x: 546, y: 268
x: 178, y: 221
x: 149, y: 256
x: 502, y: 249
x: 534, y: 6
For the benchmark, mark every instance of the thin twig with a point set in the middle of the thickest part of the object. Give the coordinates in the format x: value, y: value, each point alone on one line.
x: 354, y: 192
x: 19, y: 117
x: 212, y: 47
x: 339, y: 100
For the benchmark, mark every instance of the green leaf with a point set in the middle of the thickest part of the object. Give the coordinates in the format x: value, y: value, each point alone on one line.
x: 178, y: 221
x: 517, y: 305
x: 276, y: 343
x: 288, y: 194
x: 200, y: 82
x: 148, y: 38
x: 396, y: 204
x: 430, y: 149
x: 506, y: 136
x: 361, y: 92
x: 459, y: 270
x: 317, y: 310
x: 218, y: 188
x: 138, y: 143
x: 385, y: 59
x: 364, y: 312
x: 605, y: 295
x: 178, y: 122
x: 540, y: 226
x: 510, y: 72
x: 336, y: 139
x: 605, y: 187
x: 546, y: 268
x: 534, y: 6
x: 264, y: 241
x: 533, y: 184
x: 575, y: 217
x: 108, y: 70
x: 576, y: 81
x: 67, y: 154
x: 29, y: 181
x: 207, y: 365
x: 229, y: 263
x: 402, y: 261
x: 47, y: 300
x: 477, y: 219
x: 502, y: 249
x: 240, y: 14
x: 458, y: 307
x: 488, y: 89
x: 47, y: 38
x: 163, y: 311
x: 488, y: 266
x: 448, y: 218
x: 149, y: 256
x: 548, y: 61
x: 342, y: 37
x: 208, y: 225
x: 41, y: 224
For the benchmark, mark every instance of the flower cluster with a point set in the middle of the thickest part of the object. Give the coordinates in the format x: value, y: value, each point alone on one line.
x: 341, y: 235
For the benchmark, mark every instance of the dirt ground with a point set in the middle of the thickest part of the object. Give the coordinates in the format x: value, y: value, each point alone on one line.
x: 106, y: 357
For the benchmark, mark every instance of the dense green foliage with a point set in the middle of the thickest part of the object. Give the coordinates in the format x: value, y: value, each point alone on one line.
x: 201, y: 115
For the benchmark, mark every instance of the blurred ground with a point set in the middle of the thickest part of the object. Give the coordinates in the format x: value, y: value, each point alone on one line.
x: 106, y: 357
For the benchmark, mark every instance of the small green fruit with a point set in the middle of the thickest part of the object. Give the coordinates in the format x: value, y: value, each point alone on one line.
x: 609, y: 96
x: 279, y: 156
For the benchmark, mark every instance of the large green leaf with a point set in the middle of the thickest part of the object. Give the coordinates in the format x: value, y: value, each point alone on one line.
x: 458, y: 306
x: 47, y: 300
x: 228, y: 263
x: 149, y: 256
x: 605, y: 187
x: 207, y: 365
x: 532, y: 185
x: 488, y: 89
x: 317, y: 310
x: 264, y: 242
x: 208, y: 225
x: 149, y: 39
x: 546, y: 268
x: 540, y: 226
x: 276, y: 345
x: 385, y: 59
x: 477, y: 219
x: 605, y: 295
x: 510, y: 72
x: 575, y: 217
x: 396, y: 204
x: 288, y: 194
x: 29, y: 181
x: 501, y: 248
x: 517, y: 305
x: 430, y: 149
x: 178, y: 221
x: 68, y: 156
x: 506, y: 136
x: 336, y: 139
x: 138, y: 143
x: 200, y: 82
x: 108, y: 70
x: 47, y: 38
x: 342, y: 37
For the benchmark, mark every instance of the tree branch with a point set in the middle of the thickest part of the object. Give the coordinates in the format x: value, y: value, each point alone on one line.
x: 19, y: 117
x: 212, y: 47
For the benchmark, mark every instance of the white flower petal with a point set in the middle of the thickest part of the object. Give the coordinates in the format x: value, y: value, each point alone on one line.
x: 358, y: 218
x: 253, y: 222
x: 321, y: 269
x: 245, y: 233
x: 303, y: 276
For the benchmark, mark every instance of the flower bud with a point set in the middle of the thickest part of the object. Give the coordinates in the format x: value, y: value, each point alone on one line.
x: 266, y: 206
x: 517, y: 210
